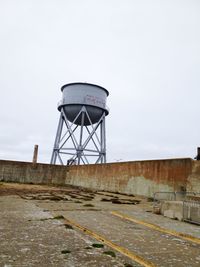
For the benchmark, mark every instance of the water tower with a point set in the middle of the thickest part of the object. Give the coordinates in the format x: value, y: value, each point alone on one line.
x: 81, y: 137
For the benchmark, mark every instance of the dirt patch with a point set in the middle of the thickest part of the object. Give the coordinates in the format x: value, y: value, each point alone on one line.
x: 46, y: 193
x: 121, y: 201
x: 69, y: 193
x: 17, y: 189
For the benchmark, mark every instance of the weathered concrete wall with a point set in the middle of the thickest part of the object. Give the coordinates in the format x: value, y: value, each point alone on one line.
x: 193, y: 183
x: 137, y: 177
x: 25, y: 172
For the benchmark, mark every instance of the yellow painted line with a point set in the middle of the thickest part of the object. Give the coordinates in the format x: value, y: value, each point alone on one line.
x: 158, y: 228
x: 109, y: 243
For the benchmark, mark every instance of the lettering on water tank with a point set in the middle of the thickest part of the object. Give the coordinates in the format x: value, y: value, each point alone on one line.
x: 93, y: 100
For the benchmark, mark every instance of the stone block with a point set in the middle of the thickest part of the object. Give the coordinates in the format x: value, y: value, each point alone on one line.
x: 172, y: 209
x: 169, y: 214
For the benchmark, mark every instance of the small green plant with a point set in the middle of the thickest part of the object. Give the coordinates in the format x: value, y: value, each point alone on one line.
x: 110, y: 253
x: 97, y: 245
x: 65, y: 251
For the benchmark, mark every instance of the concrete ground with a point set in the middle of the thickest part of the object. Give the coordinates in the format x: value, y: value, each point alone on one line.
x: 68, y: 226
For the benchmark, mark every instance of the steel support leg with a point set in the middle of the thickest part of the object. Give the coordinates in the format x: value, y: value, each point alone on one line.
x: 86, y: 144
x: 57, y: 140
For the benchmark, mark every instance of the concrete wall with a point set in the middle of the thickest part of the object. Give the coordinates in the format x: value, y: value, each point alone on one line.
x: 138, y: 177
x: 193, y: 183
x: 25, y: 172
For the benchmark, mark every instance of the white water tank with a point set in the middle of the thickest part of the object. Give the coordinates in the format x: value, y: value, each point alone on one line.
x: 77, y: 95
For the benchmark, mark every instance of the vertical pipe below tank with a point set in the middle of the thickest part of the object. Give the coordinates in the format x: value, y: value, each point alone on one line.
x: 80, y: 150
x: 103, y: 140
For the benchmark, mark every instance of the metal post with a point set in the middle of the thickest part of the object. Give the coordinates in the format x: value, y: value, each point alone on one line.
x: 198, y: 153
x: 104, y: 139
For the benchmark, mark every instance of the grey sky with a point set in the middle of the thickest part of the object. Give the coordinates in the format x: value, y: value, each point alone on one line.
x: 146, y: 53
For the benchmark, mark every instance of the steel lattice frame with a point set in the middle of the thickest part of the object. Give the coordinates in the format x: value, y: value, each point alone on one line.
x: 80, y: 152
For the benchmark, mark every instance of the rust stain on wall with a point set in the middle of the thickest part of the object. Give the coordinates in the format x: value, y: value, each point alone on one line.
x: 193, y: 182
x: 163, y: 174
x: 139, y: 177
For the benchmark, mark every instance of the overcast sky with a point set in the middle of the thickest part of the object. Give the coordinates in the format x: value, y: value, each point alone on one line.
x: 146, y: 53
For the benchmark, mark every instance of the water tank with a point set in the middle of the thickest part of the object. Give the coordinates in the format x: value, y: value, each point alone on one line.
x: 77, y: 95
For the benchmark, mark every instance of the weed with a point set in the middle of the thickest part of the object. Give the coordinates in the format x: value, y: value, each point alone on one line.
x: 110, y: 253
x: 97, y: 245
x: 58, y: 217
x: 65, y: 251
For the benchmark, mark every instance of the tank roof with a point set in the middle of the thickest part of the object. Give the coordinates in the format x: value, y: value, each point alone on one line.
x: 81, y: 83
